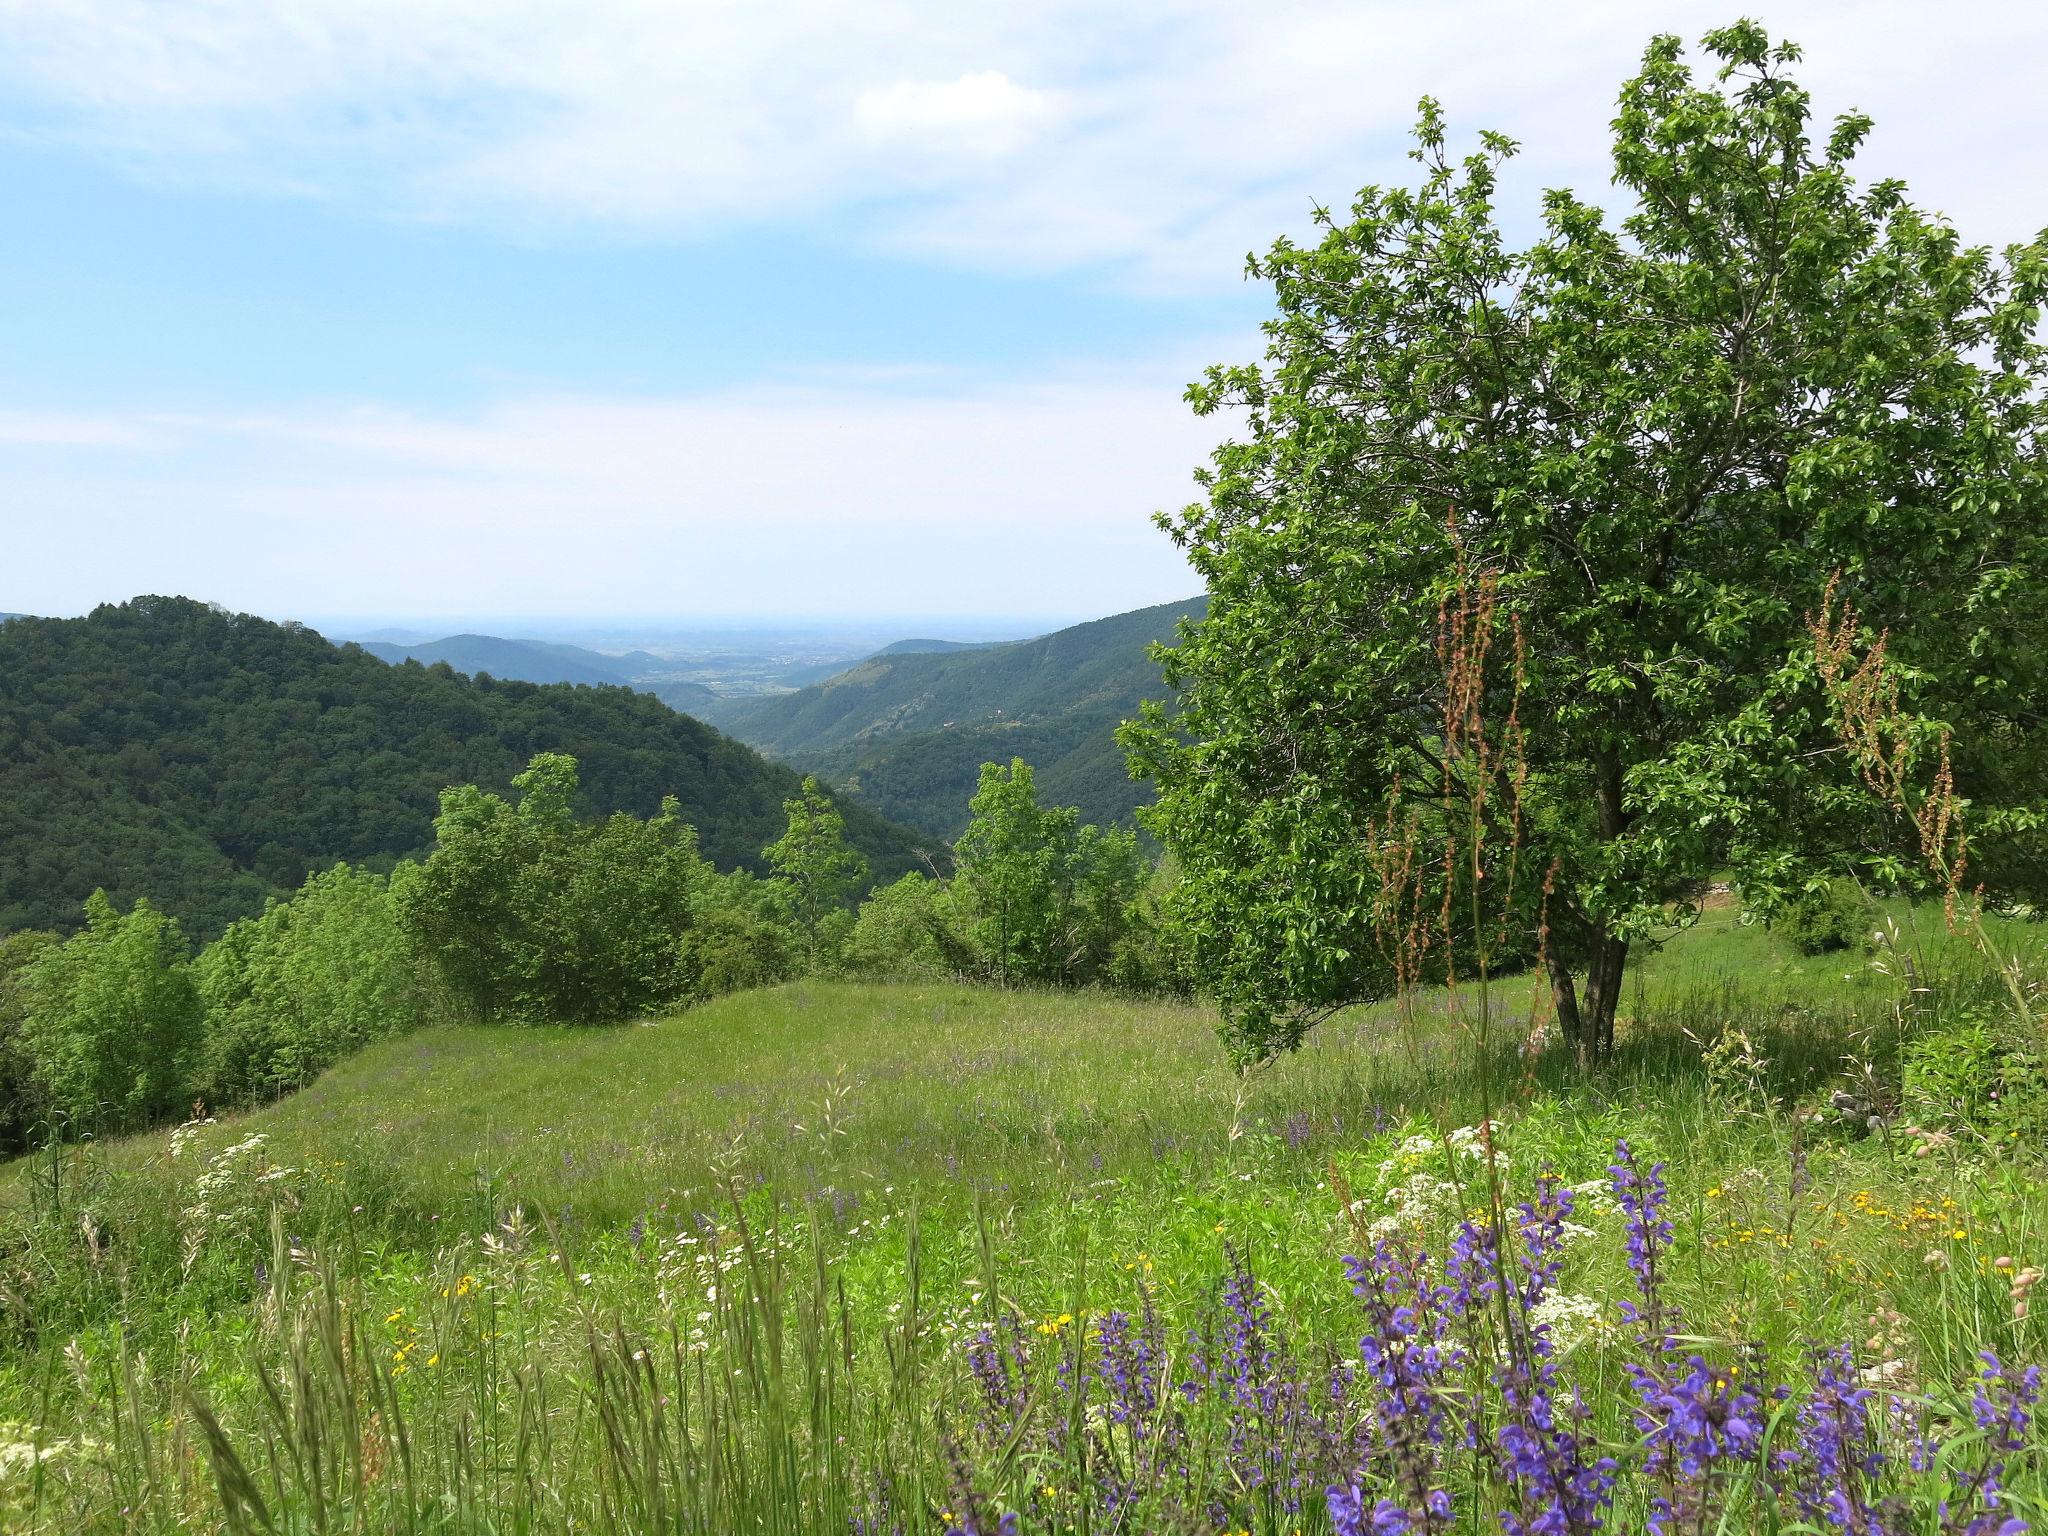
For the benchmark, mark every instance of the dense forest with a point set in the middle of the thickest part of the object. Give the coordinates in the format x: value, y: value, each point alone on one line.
x: 905, y: 733
x: 204, y: 759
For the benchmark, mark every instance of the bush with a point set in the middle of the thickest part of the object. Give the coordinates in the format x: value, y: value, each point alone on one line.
x: 114, y: 1020
x: 1984, y: 1072
x: 908, y: 931
x: 526, y: 912
x: 737, y: 938
x: 1821, y: 922
x: 313, y: 979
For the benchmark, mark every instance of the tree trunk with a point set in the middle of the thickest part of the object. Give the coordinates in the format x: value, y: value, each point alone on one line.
x: 1603, y: 991
x: 1608, y: 955
x: 1566, y: 998
x: 1588, y: 1024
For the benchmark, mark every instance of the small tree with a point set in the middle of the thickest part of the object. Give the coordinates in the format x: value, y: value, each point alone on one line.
x: 1648, y: 453
x: 113, y: 1021
x: 1046, y: 898
x: 817, y: 868
x: 1011, y: 864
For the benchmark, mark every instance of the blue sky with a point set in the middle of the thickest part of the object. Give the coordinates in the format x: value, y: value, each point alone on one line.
x: 706, y: 311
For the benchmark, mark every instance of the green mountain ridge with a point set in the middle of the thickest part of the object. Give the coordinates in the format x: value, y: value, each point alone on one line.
x: 164, y: 748
x: 906, y: 733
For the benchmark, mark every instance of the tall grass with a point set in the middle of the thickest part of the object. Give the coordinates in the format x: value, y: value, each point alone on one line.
x: 728, y: 1271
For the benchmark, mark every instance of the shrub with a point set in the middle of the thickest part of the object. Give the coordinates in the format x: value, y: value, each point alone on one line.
x: 908, y: 931
x: 19, y: 1094
x: 526, y: 912
x: 1983, y: 1072
x: 1821, y: 922
x: 737, y: 938
x: 114, y: 1019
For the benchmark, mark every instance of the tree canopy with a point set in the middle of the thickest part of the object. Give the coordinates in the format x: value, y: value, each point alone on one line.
x: 1516, y: 564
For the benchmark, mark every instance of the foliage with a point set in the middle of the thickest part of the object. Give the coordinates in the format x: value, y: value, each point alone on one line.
x: 1152, y: 957
x: 906, y: 734
x: 739, y: 937
x: 1983, y: 1072
x: 1045, y: 898
x: 527, y: 912
x: 814, y: 864
x: 113, y: 1021
x: 309, y: 982
x: 209, y: 760
x: 1820, y: 922
x: 20, y: 1095
x: 908, y: 931
x: 1640, y: 458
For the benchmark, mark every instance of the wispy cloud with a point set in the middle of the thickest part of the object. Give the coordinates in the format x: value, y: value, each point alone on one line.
x: 60, y: 429
x: 1157, y: 139
x: 952, y: 494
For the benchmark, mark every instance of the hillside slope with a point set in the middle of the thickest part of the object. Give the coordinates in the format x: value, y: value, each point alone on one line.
x: 163, y: 748
x: 906, y: 733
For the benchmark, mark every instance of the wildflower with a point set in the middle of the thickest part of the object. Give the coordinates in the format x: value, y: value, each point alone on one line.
x: 1641, y: 1195
x: 1836, y: 1458
x: 2003, y: 1408
x: 1408, y: 1353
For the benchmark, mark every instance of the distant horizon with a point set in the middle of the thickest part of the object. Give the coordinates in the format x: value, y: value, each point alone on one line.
x: 597, y: 627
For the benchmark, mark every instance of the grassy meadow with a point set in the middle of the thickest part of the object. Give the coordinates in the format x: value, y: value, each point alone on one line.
x: 852, y: 1257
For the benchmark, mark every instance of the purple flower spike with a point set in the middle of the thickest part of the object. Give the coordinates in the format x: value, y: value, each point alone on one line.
x: 1642, y: 1196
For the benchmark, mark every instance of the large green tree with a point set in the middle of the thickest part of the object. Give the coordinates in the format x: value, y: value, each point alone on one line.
x: 1634, y: 459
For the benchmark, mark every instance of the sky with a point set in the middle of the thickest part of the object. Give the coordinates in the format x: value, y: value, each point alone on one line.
x: 689, y: 312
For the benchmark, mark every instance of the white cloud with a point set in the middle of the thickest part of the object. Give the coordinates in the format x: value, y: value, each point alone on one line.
x: 1157, y: 138
x: 843, y: 496
x: 985, y: 111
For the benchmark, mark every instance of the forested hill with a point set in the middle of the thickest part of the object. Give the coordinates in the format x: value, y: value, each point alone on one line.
x: 204, y: 759
x: 906, y: 734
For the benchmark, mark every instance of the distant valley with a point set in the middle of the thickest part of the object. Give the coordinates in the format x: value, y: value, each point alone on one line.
x: 689, y: 673
x: 902, y: 728
x: 540, y: 661
x: 906, y: 731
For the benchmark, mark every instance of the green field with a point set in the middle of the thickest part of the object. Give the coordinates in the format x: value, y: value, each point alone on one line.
x: 484, y: 1235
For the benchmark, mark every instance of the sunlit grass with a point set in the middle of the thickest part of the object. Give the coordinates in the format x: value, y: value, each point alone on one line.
x: 905, y: 1161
